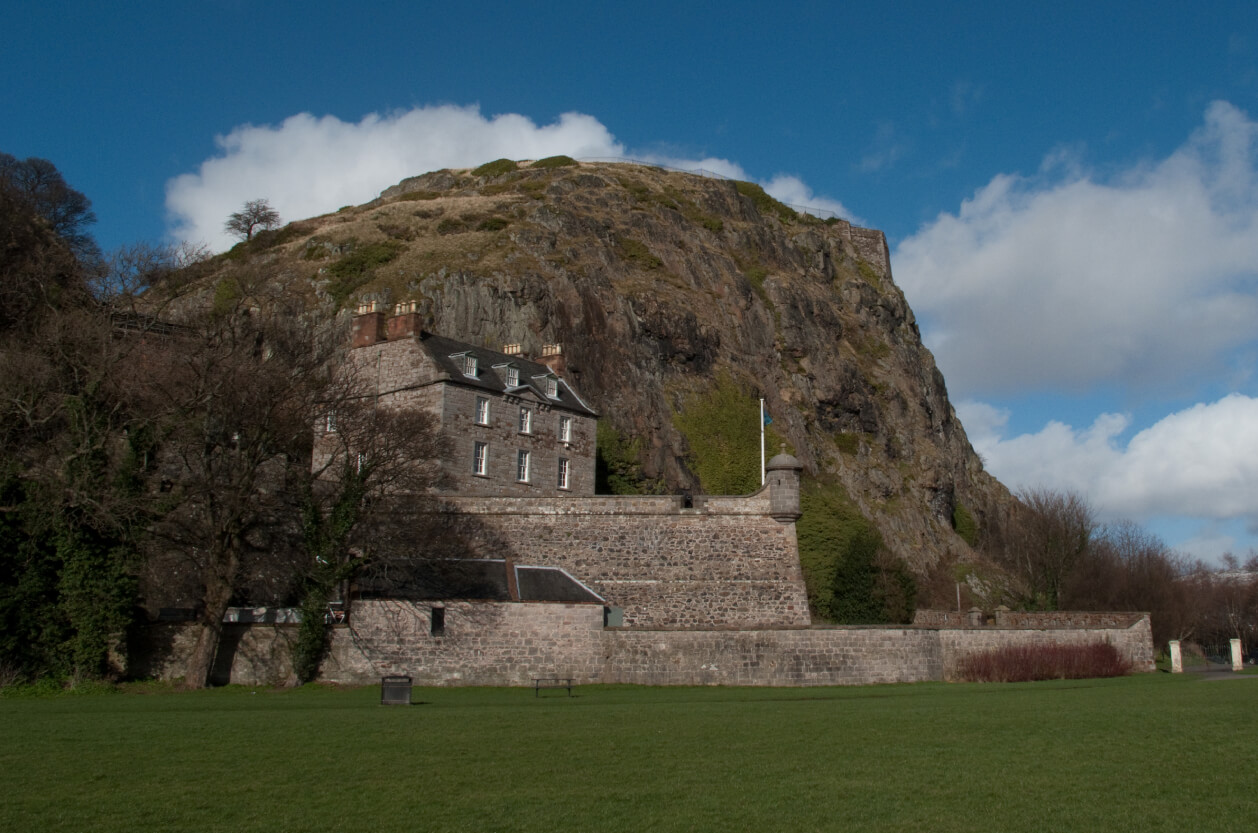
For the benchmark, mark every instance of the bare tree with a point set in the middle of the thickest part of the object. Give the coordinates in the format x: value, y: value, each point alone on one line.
x: 42, y: 191
x: 1048, y: 536
x: 257, y: 214
x: 369, y: 461
x: 237, y: 392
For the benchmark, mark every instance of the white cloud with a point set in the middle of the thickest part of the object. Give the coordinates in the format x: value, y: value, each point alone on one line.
x: 307, y: 166
x: 1201, y: 462
x: 1060, y: 279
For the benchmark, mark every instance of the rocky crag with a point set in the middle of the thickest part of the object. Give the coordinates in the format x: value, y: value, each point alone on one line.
x: 660, y: 286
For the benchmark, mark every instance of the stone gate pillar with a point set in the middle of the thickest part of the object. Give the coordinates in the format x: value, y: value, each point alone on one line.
x: 1238, y: 662
x: 1177, y: 658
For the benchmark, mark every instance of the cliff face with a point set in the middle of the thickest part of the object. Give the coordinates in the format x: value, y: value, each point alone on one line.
x: 657, y: 284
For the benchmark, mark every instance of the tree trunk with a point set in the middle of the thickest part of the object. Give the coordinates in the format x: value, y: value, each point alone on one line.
x: 201, y: 663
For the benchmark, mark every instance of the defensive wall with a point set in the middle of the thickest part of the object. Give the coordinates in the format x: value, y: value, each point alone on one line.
x: 494, y: 643
x: 664, y: 561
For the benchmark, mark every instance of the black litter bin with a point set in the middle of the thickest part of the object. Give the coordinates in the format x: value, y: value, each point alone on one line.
x: 395, y: 691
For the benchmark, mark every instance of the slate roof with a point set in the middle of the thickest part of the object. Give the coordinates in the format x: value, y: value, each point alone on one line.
x: 470, y: 579
x: 491, y: 372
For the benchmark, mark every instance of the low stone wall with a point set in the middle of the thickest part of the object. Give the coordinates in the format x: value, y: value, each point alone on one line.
x: 486, y: 643
x: 801, y: 657
x: 249, y: 654
x: 511, y: 643
x: 1133, y: 640
x: 482, y: 643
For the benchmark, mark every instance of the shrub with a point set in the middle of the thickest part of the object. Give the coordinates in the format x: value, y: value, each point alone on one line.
x: 964, y: 524
x: 1023, y: 663
x: 498, y: 167
x: 420, y: 195
x: 755, y: 276
x: 554, y: 162
x: 352, y: 270
x: 764, y: 203
x: 869, y: 273
x: 451, y: 226
x: 722, y: 428
x: 847, y: 442
x: 618, y: 467
x: 493, y: 224
x: 850, y: 577
x: 636, y: 252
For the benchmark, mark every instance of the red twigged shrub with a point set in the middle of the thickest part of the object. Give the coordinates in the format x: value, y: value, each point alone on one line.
x: 1016, y: 664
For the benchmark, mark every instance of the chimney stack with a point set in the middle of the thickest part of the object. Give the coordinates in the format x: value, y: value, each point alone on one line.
x: 368, y: 326
x: 405, y: 321
x: 552, y: 357
x: 515, y: 351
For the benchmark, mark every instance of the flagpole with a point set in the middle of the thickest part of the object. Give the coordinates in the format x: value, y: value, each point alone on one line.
x: 762, y: 475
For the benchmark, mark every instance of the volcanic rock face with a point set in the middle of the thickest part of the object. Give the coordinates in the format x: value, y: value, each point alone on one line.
x: 657, y: 283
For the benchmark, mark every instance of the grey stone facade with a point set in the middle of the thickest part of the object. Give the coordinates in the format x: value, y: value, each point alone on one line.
x: 478, y: 396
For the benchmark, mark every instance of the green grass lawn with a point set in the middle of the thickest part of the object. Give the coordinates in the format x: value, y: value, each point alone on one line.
x: 1145, y: 753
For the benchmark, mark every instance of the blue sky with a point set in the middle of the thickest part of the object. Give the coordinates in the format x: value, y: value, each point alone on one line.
x: 1069, y: 189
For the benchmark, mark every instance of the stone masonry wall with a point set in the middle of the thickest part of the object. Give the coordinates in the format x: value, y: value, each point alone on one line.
x: 487, y: 643
x: 722, y: 563
x: 482, y: 643
x: 1133, y: 641
x: 496, y: 643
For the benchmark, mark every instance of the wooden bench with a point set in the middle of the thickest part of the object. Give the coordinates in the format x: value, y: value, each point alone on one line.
x: 540, y: 683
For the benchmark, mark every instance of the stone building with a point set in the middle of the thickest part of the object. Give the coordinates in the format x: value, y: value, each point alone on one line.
x: 516, y: 427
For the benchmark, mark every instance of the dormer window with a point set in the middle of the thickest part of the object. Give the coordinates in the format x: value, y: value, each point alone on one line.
x: 513, y: 377
x: 465, y: 362
x: 552, y: 387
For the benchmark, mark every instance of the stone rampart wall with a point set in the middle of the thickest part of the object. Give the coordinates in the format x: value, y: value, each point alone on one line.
x: 871, y: 245
x: 723, y: 562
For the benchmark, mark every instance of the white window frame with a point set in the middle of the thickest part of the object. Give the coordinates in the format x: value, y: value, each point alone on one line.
x: 329, y: 424
x: 480, y: 458
x: 522, y: 466
x: 513, y: 377
x: 526, y: 420
x: 552, y: 387
x: 482, y: 410
x: 469, y: 365
x: 565, y: 428
x: 564, y: 472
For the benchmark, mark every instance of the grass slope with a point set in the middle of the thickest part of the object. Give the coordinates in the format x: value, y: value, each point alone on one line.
x: 1148, y: 753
